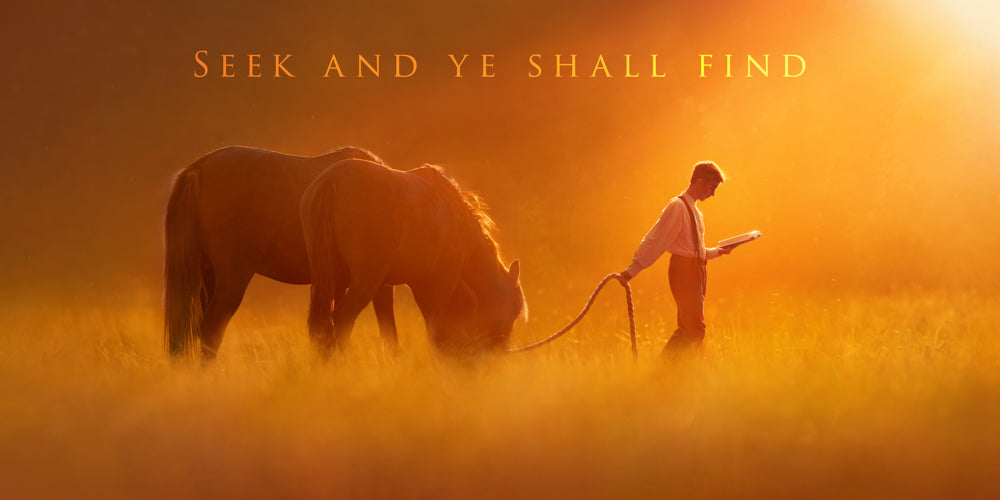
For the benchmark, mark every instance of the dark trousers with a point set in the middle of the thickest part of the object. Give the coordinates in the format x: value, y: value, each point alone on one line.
x: 688, y: 281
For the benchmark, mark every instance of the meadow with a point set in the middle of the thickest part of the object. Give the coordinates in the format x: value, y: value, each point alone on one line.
x: 794, y: 396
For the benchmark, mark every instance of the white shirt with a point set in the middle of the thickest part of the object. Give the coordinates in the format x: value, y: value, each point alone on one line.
x: 672, y: 233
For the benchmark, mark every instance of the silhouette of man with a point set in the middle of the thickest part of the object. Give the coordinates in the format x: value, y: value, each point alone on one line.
x: 681, y: 231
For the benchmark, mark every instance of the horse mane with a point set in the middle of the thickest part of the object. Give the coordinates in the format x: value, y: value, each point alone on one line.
x: 466, y: 202
x: 472, y: 209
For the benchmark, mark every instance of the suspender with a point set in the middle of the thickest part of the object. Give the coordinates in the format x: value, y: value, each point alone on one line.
x: 694, y: 232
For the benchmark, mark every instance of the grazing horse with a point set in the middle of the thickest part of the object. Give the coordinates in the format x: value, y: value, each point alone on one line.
x: 367, y: 225
x: 234, y: 213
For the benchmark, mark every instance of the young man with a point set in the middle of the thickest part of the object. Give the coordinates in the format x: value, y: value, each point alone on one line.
x: 681, y: 231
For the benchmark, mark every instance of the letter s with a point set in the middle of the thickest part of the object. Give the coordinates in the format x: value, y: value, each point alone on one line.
x: 201, y: 63
x: 531, y: 60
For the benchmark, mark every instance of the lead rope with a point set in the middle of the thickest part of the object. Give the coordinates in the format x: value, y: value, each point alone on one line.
x: 590, y: 302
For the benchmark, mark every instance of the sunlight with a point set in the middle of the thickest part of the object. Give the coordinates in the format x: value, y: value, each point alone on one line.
x: 976, y: 19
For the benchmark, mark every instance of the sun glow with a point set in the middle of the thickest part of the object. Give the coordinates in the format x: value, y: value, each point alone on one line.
x: 978, y: 19
x: 971, y: 23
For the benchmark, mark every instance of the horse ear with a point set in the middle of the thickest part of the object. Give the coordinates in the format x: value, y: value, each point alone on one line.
x: 515, y: 269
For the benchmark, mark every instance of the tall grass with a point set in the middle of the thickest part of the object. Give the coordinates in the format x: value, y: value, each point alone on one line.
x: 793, y: 396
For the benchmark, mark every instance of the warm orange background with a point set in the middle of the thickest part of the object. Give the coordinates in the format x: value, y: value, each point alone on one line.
x: 877, y: 170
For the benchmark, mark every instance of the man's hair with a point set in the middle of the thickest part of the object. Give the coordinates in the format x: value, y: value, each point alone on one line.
x: 708, y: 171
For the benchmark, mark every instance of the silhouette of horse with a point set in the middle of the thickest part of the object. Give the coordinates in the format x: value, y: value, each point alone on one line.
x: 234, y: 213
x: 367, y: 225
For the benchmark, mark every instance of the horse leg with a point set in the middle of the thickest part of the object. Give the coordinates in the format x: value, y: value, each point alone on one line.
x: 386, y: 317
x: 347, y: 308
x: 225, y: 299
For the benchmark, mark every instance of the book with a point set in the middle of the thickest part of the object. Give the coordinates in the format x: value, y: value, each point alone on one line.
x: 741, y: 239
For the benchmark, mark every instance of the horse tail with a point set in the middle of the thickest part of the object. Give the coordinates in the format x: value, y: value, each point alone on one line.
x: 184, y: 283
x: 317, y: 214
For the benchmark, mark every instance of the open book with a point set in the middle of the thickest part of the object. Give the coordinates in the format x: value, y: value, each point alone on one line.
x: 741, y: 239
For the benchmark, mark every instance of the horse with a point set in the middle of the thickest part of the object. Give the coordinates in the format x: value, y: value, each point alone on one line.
x: 367, y: 225
x: 234, y: 213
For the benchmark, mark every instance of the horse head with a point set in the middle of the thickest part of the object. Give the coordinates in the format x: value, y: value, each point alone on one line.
x: 480, y: 318
x: 496, y: 317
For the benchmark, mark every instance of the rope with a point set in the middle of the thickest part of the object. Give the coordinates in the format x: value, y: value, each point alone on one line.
x: 590, y: 302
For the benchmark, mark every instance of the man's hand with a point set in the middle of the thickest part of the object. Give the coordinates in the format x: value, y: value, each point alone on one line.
x: 624, y: 276
x: 726, y: 250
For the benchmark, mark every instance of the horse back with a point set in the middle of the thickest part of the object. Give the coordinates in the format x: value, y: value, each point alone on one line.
x: 381, y: 221
x: 249, y: 202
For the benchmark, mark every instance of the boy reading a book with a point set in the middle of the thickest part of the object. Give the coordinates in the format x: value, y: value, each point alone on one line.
x: 681, y: 231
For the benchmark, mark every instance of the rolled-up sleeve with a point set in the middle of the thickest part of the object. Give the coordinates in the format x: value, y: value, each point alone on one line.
x: 658, y: 238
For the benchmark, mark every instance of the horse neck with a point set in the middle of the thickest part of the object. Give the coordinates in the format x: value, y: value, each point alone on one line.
x: 482, y: 270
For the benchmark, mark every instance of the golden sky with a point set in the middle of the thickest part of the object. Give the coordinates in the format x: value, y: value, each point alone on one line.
x: 875, y: 170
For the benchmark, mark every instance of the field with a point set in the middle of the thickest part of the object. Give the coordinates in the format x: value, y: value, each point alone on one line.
x: 793, y: 397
